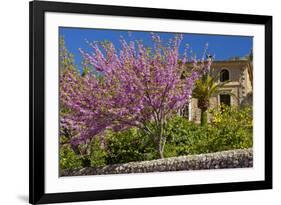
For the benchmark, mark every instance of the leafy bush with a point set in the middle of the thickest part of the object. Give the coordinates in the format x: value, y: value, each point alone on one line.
x: 127, y: 146
x: 98, y: 155
x: 68, y: 159
x: 234, y: 126
x: 185, y: 137
x: 231, y: 128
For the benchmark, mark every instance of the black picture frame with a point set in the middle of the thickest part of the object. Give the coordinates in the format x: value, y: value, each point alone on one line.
x: 37, y: 9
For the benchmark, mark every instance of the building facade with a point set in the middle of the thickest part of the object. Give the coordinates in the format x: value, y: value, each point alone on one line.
x: 239, y: 73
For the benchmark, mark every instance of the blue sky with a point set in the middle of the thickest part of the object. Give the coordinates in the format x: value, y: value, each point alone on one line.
x: 222, y: 46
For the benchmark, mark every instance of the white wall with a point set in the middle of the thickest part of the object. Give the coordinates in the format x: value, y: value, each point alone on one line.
x: 14, y: 100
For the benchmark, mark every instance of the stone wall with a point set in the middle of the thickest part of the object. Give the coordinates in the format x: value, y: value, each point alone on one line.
x: 219, y: 160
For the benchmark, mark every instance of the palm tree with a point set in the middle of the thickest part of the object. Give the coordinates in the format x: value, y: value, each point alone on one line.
x: 206, y: 87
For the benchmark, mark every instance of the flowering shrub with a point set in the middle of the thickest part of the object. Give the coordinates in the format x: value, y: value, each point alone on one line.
x: 238, y: 116
x: 234, y: 126
x: 135, y: 87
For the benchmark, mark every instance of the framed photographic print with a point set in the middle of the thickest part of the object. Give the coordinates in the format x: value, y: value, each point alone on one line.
x: 140, y: 102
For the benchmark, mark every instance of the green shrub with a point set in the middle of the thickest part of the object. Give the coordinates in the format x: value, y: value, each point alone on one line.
x: 231, y: 128
x: 128, y: 146
x: 185, y: 137
x: 98, y: 155
x: 68, y: 159
x: 234, y: 126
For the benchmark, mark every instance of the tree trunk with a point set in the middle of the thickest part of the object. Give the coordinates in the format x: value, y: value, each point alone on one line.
x: 203, y: 104
x: 161, y: 153
x: 204, y: 117
x: 161, y: 141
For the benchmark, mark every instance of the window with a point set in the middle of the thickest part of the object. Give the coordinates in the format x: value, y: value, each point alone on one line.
x: 224, y: 75
x: 225, y: 99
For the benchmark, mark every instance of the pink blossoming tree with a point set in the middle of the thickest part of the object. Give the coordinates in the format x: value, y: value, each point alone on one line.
x: 133, y: 87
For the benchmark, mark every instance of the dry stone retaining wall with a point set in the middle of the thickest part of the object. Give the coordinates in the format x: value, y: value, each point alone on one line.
x: 226, y: 159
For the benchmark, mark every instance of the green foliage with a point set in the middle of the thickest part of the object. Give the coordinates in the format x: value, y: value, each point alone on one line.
x: 185, y: 137
x: 66, y: 59
x: 68, y: 159
x: 234, y: 125
x: 127, y: 146
x: 231, y: 129
x: 64, y: 139
x: 98, y: 155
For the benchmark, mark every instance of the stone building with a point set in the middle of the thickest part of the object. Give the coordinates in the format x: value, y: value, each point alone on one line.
x: 239, y: 73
